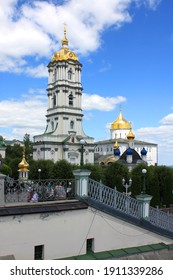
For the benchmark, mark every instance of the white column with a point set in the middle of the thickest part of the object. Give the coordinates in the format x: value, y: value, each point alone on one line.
x: 50, y: 76
x: 144, y: 200
x: 2, y: 196
x: 49, y: 101
x: 58, y: 73
x: 81, y: 178
x: 79, y: 76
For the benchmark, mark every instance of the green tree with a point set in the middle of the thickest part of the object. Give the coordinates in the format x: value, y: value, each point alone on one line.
x: 13, y: 152
x: 97, y: 172
x: 28, y: 146
x: 5, y: 169
x: 13, y: 158
x: 165, y: 178
x: 153, y: 186
x: 138, y: 179
x: 14, y: 167
x: 114, y: 174
x: 45, y: 167
x: 62, y: 169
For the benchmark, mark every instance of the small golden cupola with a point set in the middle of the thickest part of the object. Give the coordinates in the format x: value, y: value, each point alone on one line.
x: 116, y: 150
x: 130, y: 135
x: 120, y: 122
x: 64, y: 53
x: 116, y: 146
x: 23, y: 167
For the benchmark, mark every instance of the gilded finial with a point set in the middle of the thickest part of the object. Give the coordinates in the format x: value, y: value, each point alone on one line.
x: 65, y: 40
x: 23, y: 165
x: 24, y: 151
x: 130, y: 135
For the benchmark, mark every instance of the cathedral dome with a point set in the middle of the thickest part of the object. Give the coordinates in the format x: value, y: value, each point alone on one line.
x: 116, y: 149
x: 129, y: 152
x: 116, y: 145
x: 117, y: 152
x: 23, y: 165
x: 120, y: 123
x: 64, y: 53
x: 143, y: 152
x: 130, y: 135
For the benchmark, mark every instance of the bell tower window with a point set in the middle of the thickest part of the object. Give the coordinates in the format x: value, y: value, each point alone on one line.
x: 54, y: 100
x: 71, y: 99
x: 54, y: 75
x: 70, y: 74
x: 72, y: 125
x: 52, y: 124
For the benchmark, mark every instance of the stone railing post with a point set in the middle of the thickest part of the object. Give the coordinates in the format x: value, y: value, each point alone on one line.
x: 144, y: 200
x: 2, y: 196
x: 81, y: 181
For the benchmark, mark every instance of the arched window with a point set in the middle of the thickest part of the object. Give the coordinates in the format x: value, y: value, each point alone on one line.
x: 71, y: 99
x: 54, y: 75
x: 70, y: 74
x: 54, y: 100
x: 71, y: 124
x: 52, y: 124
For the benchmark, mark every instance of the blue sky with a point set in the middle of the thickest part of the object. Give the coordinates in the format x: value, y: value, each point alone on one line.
x: 126, y: 48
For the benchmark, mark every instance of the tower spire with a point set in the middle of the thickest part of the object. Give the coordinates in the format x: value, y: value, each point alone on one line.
x: 64, y: 40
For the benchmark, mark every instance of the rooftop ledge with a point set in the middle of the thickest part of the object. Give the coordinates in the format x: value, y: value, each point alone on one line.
x: 41, y: 207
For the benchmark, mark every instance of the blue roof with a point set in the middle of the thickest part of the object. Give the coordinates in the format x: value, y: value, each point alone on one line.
x: 143, y: 152
x: 117, y: 152
x: 129, y: 151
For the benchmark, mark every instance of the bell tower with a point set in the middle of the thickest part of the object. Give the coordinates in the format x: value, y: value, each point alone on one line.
x: 61, y: 139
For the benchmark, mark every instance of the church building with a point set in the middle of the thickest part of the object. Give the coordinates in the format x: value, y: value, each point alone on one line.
x: 124, y: 148
x: 64, y: 137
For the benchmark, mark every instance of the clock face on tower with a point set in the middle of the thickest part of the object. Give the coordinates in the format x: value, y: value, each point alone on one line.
x: 71, y: 54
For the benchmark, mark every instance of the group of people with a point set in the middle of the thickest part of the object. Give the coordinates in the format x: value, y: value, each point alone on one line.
x: 32, y: 196
x: 50, y: 193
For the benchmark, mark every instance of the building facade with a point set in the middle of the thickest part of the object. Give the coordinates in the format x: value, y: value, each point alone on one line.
x: 64, y: 132
x: 65, y: 234
x: 117, y: 147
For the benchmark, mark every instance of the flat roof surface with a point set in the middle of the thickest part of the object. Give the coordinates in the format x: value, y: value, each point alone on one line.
x: 41, y: 207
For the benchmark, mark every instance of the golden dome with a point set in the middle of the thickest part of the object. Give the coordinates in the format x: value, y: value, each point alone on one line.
x: 23, y: 165
x: 120, y: 123
x: 116, y: 145
x: 64, y: 53
x: 108, y: 160
x: 130, y: 135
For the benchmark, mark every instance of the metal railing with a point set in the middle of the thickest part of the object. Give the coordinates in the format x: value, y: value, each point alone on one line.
x: 128, y: 205
x: 114, y: 199
x: 38, y: 190
x: 161, y: 219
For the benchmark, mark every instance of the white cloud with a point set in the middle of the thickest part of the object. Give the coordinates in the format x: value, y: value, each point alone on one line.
x: 26, y: 115
x: 161, y: 135
x: 37, y: 72
x: 105, y: 68
x: 167, y: 120
x: 153, y: 3
x: 34, y: 28
x: 97, y: 102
